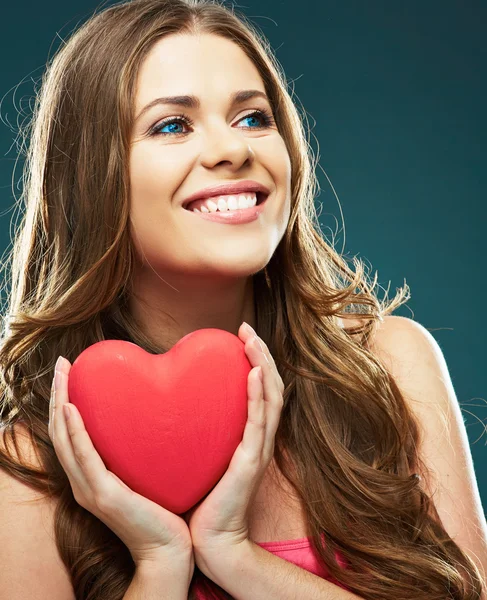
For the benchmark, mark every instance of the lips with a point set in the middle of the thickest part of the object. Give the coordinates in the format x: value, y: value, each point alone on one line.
x: 197, y: 203
x: 229, y: 188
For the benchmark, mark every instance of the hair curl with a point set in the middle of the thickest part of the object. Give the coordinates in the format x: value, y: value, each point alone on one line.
x: 344, y: 421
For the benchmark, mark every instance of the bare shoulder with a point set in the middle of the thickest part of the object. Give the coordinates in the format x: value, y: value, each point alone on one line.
x: 405, y: 349
x: 402, y: 346
x: 387, y: 336
x: 416, y: 361
x: 28, y: 453
x: 27, y: 542
x: 399, y: 342
x: 351, y: 322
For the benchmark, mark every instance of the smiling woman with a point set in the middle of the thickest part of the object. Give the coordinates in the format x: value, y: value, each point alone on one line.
x: 181, y: 104
x: 220, y: 147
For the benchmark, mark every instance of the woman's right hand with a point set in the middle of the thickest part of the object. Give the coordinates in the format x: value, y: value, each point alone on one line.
x: 151, y: 533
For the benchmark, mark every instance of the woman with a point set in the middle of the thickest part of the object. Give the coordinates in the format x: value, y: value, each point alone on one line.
x: 330, y: 493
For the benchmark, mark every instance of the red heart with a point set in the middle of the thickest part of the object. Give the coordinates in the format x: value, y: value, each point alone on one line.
x: 166, y: 424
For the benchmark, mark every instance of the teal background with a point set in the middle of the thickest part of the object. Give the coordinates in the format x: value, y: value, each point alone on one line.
x: 395, y: 93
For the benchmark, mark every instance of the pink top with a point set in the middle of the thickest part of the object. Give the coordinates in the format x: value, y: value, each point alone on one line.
x: 301, y: 553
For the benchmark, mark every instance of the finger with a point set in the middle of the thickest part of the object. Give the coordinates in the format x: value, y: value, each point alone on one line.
x: 267, y: 354
x: 52, y: 401
x: 273, y: 401
x: 247, y: 336
x: 60, y: 435
x: 270, y: 358
x: 63, y: 442
x: 89, y: 464
x: 83, y: 465
x: 247, y: 333
x: 255, y: 429
x: 272, y: 394
x: 273, y: 415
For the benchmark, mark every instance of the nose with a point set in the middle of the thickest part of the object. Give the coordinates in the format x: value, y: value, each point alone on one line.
x: 228, y: 147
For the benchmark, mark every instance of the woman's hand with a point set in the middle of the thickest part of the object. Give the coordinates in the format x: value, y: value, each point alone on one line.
x: 151, y: 533
x: 220, y: 521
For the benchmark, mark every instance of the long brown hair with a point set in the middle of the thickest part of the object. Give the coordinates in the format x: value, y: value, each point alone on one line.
x: 347, y: 442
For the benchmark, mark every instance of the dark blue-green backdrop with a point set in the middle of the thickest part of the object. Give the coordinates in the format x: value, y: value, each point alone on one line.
x: 395, y: 93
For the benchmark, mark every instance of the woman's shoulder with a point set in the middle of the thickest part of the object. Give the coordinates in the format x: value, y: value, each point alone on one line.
x: 349, y: 322
x: 382, y: 340
x: 389, y: 322
x: 25, y: 452
x: 352, y: 323
x: 27, y: 539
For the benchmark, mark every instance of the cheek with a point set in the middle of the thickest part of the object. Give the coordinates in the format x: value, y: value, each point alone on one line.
x: 278, y: 163
x: 148, y: 174
x: 155, y: 242
x: 285, y: 162
x: 149, y: 202
x: 283, y: 177
x: 275, y: 158
x: 157, y: 229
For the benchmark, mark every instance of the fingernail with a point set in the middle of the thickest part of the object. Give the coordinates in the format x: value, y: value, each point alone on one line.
x: 248, y: 328
x: 257, y: 343
x: 59, y: 364
x: 57, y: 379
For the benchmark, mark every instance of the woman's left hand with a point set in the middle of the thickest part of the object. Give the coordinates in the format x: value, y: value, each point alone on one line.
x: 220, y: 521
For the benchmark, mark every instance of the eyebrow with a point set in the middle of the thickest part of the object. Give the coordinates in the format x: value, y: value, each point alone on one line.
x: 193, y: 102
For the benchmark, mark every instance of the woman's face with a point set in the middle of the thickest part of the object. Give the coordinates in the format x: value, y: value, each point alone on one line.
x: 222, y: 144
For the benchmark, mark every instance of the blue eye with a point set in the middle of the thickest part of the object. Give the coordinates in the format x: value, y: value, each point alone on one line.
x: 263, y: 115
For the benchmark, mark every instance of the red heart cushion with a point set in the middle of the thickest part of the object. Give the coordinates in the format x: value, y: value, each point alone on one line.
x: 166, y: 424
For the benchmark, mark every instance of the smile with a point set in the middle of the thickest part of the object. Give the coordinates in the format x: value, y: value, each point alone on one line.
x: 237, y: 216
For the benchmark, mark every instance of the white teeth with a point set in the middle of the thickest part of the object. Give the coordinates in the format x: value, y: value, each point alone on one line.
x: 246, y: 201
x: 222, y: 204
x: 212, y: 206
x: 233, y: 202
x: 225, y: 203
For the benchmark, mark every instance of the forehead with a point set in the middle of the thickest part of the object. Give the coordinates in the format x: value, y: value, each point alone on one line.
x: 204, y: 65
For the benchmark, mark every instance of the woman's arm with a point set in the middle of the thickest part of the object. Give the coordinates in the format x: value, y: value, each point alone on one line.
x: 252, y: 573
x: 415, y: 359
x: 154, y: 582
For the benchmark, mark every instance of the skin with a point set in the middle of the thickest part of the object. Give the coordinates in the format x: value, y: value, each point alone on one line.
x: 191, y: 273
